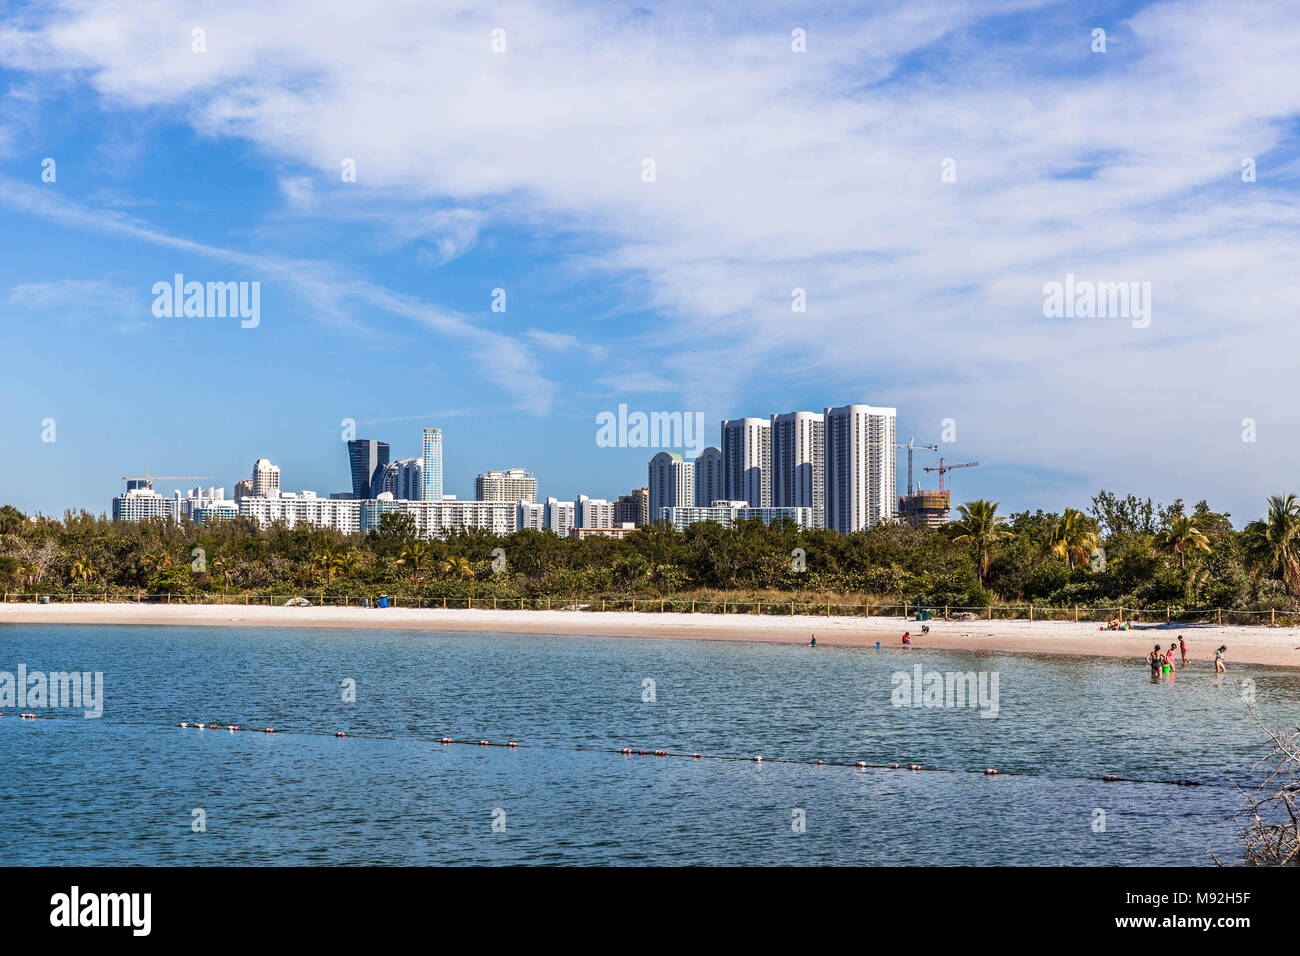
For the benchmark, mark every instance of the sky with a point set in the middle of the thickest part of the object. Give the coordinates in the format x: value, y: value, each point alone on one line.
x: 649, y: 186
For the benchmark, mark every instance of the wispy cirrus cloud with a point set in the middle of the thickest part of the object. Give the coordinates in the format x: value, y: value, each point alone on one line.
x: 819, y: 171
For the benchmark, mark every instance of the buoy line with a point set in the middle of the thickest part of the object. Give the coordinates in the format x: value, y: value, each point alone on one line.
x: 643, y: 752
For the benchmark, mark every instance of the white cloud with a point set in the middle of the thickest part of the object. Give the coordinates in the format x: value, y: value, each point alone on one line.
x: 821, y: 171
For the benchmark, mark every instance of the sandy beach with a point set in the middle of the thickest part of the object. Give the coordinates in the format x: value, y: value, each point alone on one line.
x: 1279, y: 646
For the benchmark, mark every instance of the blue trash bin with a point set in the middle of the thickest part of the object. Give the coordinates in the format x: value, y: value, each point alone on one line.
x: 383, y: 600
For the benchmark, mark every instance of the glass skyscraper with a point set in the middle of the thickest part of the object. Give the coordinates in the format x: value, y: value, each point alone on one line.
x: 366, y: 457
x: 432, y: 464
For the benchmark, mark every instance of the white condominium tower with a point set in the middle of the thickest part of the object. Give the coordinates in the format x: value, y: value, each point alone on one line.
x: 514, y: 484
x: 266, y: 479
x: 747, y: 461
x: 861, y: 478
x: 672, y: 483
x: 708, y: 477
x: 798, y: 463
x: 432, y: 465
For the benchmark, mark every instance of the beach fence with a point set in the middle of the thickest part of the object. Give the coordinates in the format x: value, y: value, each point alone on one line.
x: 793, y: 607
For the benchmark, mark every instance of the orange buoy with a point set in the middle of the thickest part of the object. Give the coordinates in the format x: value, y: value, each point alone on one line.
x: 862, y: 763
x: 269, y: 730
x: 697, y: 756
x: 339, y: 733
x: 512, y: 744
x: 820, y: 762
x: 894, y: 765
x: 990, y: 771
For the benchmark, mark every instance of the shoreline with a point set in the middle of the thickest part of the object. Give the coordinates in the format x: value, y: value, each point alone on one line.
x: 1274, y: 646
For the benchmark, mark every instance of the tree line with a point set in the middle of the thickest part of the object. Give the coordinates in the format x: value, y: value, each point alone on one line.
x: 1119, y: 551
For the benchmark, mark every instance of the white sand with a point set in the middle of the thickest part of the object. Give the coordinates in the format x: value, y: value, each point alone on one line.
x: 1258, y: 645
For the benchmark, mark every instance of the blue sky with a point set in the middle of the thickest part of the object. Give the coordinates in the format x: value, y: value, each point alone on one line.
x: 774, y: 170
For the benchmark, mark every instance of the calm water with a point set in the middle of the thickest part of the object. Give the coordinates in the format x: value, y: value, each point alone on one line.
x: 120, y: 789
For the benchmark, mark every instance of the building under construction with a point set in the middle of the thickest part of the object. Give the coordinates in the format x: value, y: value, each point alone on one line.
x: 924, y: 509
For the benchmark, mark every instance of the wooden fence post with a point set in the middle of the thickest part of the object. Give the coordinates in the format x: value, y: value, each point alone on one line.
x: 990, y: 612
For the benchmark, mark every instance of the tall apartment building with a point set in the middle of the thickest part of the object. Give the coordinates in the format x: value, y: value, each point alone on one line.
x: 365, y: 458
x: 595, y: 512
x: 513, y: 484
x: 561, y: 515
x: 531, y: 516
x: 304, y: 508
x: 437, y: 519
x: 633, y: 509
x: 243, y: 488
x: 202, y: 505
x: 402, y: 479
x: 708, y: 477
x: 672, y: 483
x: 432, y: 465
x: 799, y: 463
x: 861, y: 472
x: 266, y: 479
x: 730, y: 513
x: 747, y: 461
x: 139, y: 502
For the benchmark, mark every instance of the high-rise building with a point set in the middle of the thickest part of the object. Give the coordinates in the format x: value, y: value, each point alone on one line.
x: 730, y: 513
x: 633, y: 509
x: 561, y: 516
x: 861, y: 475
x: 243, y: 488
x: 140, y: 502
x: 672, y: 483
x: 437, y: 519
x: 303, y: 508
x: 708, y: 477
x: 402, y: 479
x: 432, y: 465
x: 366, y: 457
x: 799, y: 463
x: 266, y: 479
x: 531, y: 516
x: 747, y: 461
x: 513, y: 484
x: 595, y: 512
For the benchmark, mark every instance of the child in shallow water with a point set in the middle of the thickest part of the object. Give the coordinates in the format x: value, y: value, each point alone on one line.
x: 907, y: 638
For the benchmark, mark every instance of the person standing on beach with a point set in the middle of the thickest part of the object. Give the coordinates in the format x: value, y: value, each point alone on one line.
x: 1219, y: 666
x: 1182, y: 649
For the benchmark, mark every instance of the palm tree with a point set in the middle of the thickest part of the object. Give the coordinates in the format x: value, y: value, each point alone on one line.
x: 30, y: 573
x: 1272, y: 544
x: 226, y: 568
x: 1181, y: 535
x: 459, y: 568
x: 327, y: 560
x: 347, y: 564
x: 83, y: 569
x: 979, y: 525
x: 1073, y: 538
x: 415, y: 556
x: 156, y: 560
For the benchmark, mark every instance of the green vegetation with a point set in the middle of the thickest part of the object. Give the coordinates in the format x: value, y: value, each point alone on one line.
x: 1121, y: 552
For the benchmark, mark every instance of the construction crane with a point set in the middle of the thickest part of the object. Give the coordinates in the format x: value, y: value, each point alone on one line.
x: 942, y: 468
x: 149, y: 480
x: 910, y: 446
